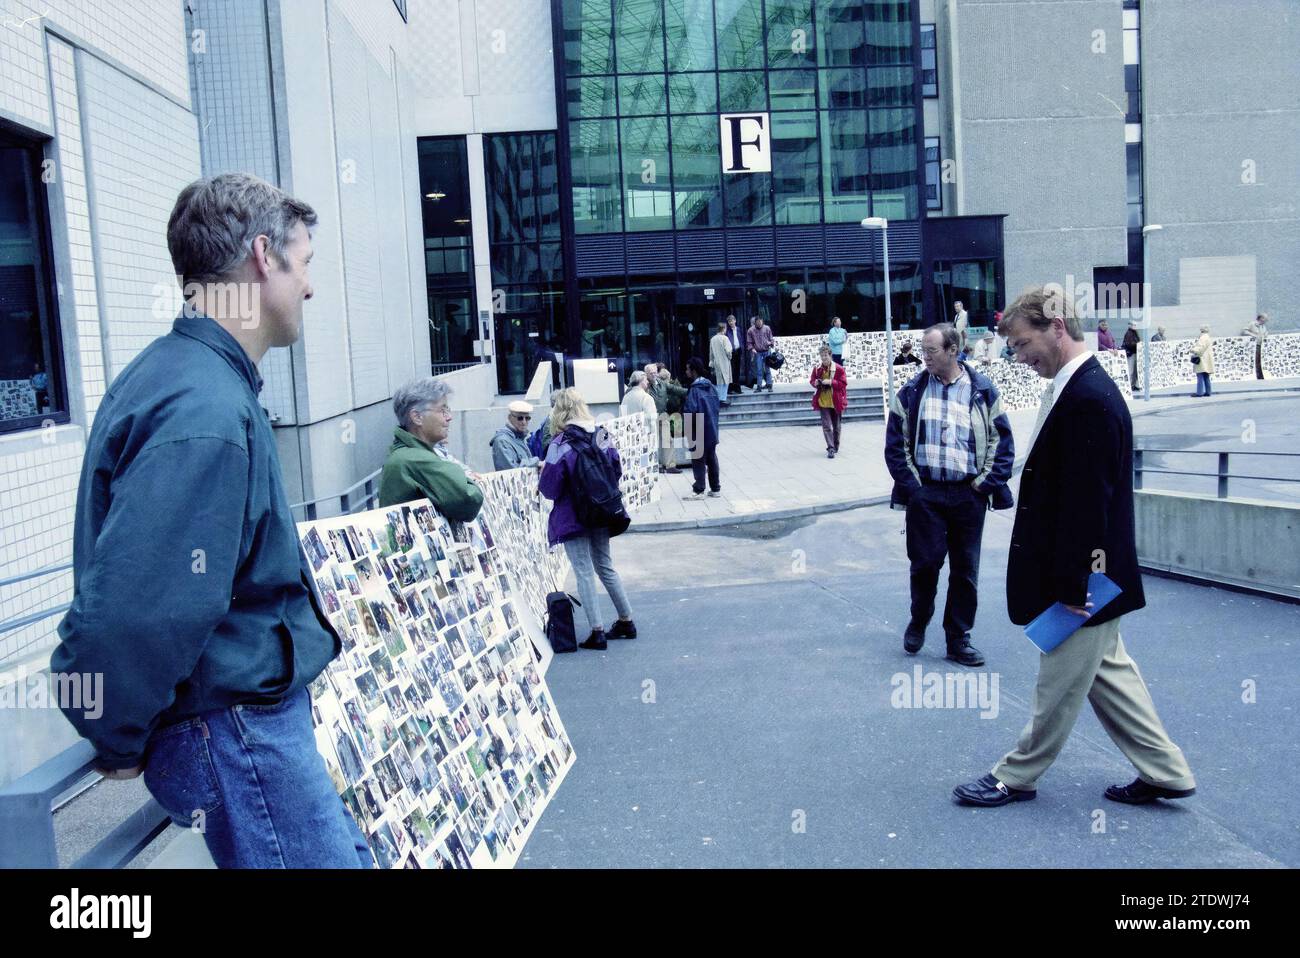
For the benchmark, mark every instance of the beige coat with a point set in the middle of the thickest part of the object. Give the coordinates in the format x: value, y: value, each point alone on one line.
x: 720, y: 358
x: 1204, y: 348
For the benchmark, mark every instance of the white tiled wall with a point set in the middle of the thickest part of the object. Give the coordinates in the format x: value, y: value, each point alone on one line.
x: 120, y: 155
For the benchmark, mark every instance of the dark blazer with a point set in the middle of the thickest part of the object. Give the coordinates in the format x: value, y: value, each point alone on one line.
x: 1076, y: 504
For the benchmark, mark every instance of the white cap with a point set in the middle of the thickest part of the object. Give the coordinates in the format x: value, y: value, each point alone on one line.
x: 520, y: 406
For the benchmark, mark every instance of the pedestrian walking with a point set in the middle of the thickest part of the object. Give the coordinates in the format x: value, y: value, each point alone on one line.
x: 208, y: 673
x: 720, y: 361
x: 700, y: 416
x: 949, y: 450
x: 830, y: 398
x: 760, y: 346
x: 1076, y: 504
x: 835, y: 338
x: 1203, y: 362
x: 575, y: 521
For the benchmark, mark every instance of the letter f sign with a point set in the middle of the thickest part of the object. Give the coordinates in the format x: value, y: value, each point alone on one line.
x: 741, y: 155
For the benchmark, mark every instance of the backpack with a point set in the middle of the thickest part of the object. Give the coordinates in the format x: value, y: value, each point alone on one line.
x: 597, y: 501
x: 535, y: 445
x: 560, y: 631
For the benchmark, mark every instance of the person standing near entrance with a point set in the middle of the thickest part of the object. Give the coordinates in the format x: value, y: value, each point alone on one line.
x: 700, y: 416
x: 831, y: 398
x: 960, y: 322
x: 720, y: 360
x: 835, y: 338
x: 1076, y: 510
x: 736, y: 337
x: 760, y: 346
x: 948, y: 447
x: 659, y: 393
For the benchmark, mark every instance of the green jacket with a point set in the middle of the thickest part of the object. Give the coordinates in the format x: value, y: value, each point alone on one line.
x: 414, y: 471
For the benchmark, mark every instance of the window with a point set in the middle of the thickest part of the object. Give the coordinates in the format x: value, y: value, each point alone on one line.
x: 32, y: 388
x: 933, y: 180
x: 448, y: 253
x: 929, y: 62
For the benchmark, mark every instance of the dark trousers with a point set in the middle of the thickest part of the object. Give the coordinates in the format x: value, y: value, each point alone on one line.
x: 1203, y: 384
x: 945, y: 520
x: 831, y: 428
x: 1259, y: 360
x: 706, y: 460
x: 735, y: 370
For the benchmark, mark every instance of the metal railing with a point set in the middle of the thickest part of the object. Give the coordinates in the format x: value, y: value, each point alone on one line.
x: 27, y: 817
x: 1223, y: 473
x: 27, y: 618
x: 349, y: 500
x: 439, y: 369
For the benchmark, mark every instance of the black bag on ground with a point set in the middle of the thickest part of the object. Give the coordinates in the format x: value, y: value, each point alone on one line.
x: 597, y: 501
x: 560, y: 631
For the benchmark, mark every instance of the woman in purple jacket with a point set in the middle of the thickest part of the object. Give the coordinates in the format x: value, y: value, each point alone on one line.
x: 587, y: 548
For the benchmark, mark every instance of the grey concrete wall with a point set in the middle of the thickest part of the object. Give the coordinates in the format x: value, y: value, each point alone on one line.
x: 1235, y: 541
x: 1040, y: 127
x: 1221, y: 83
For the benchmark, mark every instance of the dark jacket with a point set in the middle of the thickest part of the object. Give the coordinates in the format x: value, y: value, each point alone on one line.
x: 701, y: 411
x: 556, y: 479
x: 995, y: 453
x: 1131, y: 340
x: 190, y: 590
x: 414, y: 471
x: 1076, y: 504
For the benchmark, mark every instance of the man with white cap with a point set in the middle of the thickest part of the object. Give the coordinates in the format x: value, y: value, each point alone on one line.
x: 510, y: 443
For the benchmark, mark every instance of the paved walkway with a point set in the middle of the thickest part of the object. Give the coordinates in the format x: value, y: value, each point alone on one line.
x: 782, y: 472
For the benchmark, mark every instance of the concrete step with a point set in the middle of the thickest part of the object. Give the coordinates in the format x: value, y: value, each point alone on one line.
x: 806, y: 417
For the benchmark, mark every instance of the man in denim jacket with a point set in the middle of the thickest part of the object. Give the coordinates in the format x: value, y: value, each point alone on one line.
x: 192, y: 597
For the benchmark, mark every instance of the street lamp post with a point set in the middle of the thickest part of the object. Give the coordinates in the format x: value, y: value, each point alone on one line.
x: 1146, y: 311
x: 882, y: 224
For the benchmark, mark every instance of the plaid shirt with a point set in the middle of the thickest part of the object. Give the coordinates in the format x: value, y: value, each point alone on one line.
x: 945, y: 445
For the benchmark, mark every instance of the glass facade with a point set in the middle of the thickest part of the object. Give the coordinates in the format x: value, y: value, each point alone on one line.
x: 645, y: 81
x: 448, y: 256
x: 523, y: 202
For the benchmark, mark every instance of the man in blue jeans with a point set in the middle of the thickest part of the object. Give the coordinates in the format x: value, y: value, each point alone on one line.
x: 191, y: 593
x: 760, y: 345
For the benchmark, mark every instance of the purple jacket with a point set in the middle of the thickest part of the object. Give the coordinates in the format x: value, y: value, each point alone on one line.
x: 556, y: 483
x: 1105, y: 340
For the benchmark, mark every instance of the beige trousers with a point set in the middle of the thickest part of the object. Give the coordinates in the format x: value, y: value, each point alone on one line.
x: 1092, y: 663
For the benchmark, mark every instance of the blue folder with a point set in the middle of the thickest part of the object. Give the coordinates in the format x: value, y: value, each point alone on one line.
x: 1057, y: 623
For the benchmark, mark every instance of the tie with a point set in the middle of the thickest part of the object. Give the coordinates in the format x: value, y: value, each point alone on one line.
x: 1044, y: 407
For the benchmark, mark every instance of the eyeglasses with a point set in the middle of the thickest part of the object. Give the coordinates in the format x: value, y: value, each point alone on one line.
x: 932, y: 351
x: 522, y: 417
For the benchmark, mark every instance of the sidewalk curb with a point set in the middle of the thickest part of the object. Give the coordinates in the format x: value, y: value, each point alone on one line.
x: 745, y: 518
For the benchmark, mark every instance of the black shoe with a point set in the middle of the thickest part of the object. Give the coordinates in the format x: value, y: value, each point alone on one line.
x: 673, y: 470
x: 913, y: 640
x: 988, y: 792
x: 621, y: 630
x: 965, y: 655
x: 1140, y: 792
x: 830, y: 454
x: 594, y: 641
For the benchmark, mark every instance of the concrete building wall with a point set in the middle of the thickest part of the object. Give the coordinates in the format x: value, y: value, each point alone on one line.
x: 1039, y: 131
x: 111, y: 94
x: 1222, y: 125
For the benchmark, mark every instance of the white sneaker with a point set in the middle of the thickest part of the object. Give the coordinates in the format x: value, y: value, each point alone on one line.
x: 715, y: 495
x: 693, y: 497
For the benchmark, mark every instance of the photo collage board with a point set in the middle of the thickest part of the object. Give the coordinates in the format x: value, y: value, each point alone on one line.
x: 435, y: 721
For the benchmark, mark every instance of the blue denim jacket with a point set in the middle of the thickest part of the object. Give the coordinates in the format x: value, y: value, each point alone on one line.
x: 190, y: 589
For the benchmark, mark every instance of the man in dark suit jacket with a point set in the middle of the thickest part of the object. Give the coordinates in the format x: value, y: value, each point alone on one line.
x: 1076, y: 517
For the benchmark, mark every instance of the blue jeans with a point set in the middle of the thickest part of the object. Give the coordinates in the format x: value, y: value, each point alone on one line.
x: 1202, y: 384
x: 250, y: 777
x: 721, y: 387
x: 590, y: 557
x: 762, y: 372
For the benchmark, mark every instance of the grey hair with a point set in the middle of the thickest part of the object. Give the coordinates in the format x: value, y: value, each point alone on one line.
x: 948, y: 333
x: 416, y: 395
x: 636, y: 379
x: 215, y: 220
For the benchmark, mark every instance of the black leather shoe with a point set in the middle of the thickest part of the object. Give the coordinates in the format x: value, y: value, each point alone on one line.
x: 594, y: 641
x: 621, y: 630
x: 965, y: 655
x: 912, y: 641
x: 988, y: 792
x: 1140, y: 792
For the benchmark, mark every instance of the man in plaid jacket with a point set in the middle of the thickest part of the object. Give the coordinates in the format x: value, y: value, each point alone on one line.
x: 948, y: 447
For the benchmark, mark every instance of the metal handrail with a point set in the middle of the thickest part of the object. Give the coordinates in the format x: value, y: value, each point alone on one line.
x: 1222, y: 473
x: 21, y: 621
x: 369, y: 501
x: 27, y: 821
